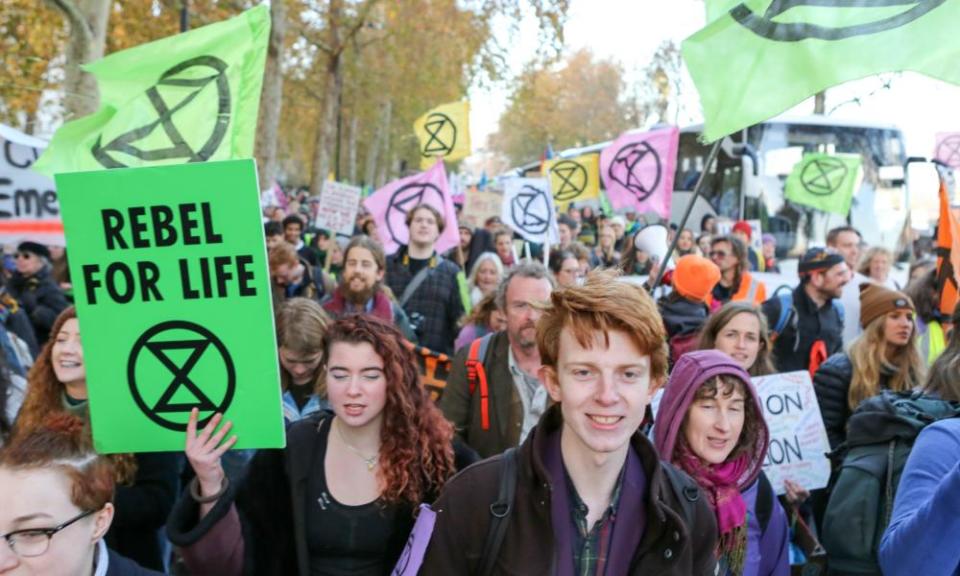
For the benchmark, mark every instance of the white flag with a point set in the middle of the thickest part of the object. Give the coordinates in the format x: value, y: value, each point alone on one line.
x: 528, y: 209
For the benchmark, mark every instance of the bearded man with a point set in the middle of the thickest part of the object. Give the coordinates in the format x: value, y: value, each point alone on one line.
x: 361, y: 289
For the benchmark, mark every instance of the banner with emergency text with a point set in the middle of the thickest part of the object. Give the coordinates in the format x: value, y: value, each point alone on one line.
x: 187, y: 98
x: 29, y: 209
x: 389, y: 207
x: 529, y: 210
x: 638, y: 170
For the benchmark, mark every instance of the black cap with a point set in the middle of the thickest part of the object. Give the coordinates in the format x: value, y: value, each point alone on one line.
x: 819, y: 259
x: 34, y: 248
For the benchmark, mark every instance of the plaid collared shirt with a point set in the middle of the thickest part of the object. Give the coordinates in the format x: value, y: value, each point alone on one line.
x: 592, y: 545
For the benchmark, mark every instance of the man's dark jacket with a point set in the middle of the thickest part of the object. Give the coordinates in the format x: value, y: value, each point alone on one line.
x: 791, y: 350
x: 668, y: 546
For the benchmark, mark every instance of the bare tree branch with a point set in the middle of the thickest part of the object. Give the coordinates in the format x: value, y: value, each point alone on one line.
x: 74, y: 16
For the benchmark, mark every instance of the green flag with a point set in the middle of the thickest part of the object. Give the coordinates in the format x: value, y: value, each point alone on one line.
x: 825, y: 182
x: 187, y: 98
x: 764, y: 56
x: 717, y: 8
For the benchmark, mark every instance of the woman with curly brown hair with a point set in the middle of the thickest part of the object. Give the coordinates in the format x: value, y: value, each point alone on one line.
x: 146, y: 483
x: 340, y: 498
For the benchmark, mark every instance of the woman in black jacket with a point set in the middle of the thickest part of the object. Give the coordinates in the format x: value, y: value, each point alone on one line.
x: 884, y: 357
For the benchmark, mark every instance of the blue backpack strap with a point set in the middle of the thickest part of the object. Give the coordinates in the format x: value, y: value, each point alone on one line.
x: 786, y: 306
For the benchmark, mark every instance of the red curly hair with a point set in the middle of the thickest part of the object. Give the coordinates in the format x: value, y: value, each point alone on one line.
x: 416, y: 450
x: 45, y: 398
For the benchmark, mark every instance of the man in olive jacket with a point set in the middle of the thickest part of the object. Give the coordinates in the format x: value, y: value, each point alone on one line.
x: 591, y: 495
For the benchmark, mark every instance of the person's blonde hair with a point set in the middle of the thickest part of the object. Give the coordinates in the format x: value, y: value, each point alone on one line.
x: 869, y: 255
x: 867, y: 354
x: 301, y: 327
x: 603, y: 303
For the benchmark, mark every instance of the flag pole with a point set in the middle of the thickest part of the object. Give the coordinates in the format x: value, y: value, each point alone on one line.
x: 686, y: 215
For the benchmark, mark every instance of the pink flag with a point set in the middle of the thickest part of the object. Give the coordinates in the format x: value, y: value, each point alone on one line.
x: 637, y: 170
x: 389, y: 206
x: 948, y: 149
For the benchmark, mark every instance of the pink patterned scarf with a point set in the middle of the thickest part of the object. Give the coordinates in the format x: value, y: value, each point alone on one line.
x: 719, y: 483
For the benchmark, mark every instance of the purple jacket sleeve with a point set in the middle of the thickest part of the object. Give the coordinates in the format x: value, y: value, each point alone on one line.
x: 921, y: 537
x: 775, y: 544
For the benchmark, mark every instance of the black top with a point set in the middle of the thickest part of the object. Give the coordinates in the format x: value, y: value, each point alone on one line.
x: 301, y: 393
x: 346, y: 540
x: 418, y: 264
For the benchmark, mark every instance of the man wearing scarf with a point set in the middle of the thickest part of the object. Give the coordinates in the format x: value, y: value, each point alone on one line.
x: 361, y: 289
x: 723, y: 447
x: 591, y: 496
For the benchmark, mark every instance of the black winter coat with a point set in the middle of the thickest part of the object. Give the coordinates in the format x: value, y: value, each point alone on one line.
x: 832, y: 385
x: 41, y: 298
x: 682, y: 316
x: 142, y: 509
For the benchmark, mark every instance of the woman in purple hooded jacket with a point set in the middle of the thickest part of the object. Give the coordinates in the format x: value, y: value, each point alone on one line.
x: 711, y: 426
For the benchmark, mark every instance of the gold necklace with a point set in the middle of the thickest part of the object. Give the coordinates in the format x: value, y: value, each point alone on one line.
x: 370, y: 462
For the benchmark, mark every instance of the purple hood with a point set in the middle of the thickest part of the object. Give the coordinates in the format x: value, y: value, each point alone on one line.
x: 689, y: 373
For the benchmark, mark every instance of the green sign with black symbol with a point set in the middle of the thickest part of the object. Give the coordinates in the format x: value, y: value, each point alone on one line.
x: 173, y: 296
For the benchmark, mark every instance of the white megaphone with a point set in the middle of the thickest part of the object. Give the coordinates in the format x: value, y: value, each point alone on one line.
x: 652, y: 240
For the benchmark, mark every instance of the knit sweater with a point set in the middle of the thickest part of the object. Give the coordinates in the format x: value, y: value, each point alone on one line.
x: 921, y: 537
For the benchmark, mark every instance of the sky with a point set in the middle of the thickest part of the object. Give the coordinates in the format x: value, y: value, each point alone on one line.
x: 630, y: 31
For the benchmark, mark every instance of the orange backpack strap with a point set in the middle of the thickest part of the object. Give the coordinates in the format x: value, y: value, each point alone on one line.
x: 818, y: 355
x: 477, y: 374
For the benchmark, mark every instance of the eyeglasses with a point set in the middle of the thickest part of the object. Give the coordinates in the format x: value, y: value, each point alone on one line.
x: 718, y: 254
x: 32, y: 542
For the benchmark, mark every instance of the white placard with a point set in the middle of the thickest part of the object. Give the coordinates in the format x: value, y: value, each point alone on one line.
x: 798, y: 439
x: 337, y: 209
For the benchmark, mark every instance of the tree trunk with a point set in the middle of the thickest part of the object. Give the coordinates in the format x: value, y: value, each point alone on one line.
x: 271, y: 97
x: 333, y: 83
x: 376, y: 144
x: 383, y: 169
x: 88, y: 36
x: 352, y: 150
x: 820, y: 103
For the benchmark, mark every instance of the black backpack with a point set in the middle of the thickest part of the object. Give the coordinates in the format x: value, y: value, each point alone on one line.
x: 684, y: 488
x: 880, y: 435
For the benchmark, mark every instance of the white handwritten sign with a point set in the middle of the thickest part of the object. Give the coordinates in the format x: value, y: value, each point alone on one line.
x: 29, y: 209
x: 798, y: 439
x: 337, y: 210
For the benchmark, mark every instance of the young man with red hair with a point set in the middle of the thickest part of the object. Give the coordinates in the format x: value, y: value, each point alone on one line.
x: 586, y: 492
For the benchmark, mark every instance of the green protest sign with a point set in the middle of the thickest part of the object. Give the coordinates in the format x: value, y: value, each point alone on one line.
x: 761, y: 57
x: 173, y: 297
x: 192, y: 97
x: 825, y: 182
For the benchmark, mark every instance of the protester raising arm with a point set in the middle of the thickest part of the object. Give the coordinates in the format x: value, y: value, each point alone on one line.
x: 339, y: 499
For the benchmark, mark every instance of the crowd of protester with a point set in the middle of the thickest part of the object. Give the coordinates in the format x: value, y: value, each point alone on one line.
x: 544, y: 453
